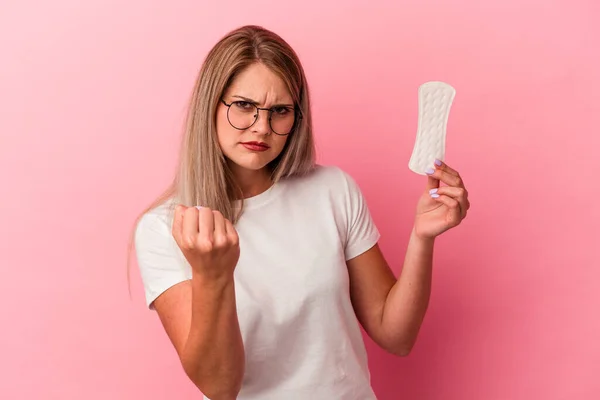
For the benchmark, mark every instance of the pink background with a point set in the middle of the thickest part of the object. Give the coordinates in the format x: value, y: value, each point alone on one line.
x: 93, y: 95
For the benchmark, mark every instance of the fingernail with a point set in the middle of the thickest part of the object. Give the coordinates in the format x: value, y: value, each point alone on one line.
x: 198, y: 207
x: 429, y: 171
x: 438, y: 162
x: 432, y: 191
x: 435, y: 195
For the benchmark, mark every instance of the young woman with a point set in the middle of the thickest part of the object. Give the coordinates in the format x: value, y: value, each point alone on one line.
x: 260, y: 263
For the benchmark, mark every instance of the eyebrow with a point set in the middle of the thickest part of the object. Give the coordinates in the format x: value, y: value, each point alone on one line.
x: 256, y: 103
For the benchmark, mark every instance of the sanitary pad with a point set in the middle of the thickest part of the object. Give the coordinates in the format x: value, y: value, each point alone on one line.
x: 435, y: 100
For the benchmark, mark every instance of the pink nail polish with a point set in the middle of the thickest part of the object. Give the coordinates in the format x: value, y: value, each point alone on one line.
x: 438, y: 162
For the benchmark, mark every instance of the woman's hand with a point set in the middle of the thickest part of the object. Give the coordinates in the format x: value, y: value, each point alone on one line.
x: 441, y: 208
x: 208, y: 241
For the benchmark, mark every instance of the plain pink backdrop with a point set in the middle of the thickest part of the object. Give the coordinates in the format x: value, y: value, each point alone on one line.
x: 92, y: 99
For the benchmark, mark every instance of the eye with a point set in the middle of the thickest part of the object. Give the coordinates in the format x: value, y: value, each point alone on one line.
x: 281, y: 110
x: 243, y: 105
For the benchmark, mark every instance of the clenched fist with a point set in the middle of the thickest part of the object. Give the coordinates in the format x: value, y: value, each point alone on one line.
x: 208, y: 241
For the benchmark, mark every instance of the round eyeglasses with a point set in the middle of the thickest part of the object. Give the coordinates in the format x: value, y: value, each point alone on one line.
x: 243, y: 114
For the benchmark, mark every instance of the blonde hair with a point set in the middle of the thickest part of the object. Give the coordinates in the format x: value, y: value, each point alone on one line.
x: 203, y: 177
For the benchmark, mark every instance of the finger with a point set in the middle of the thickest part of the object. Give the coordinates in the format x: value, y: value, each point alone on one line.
x: 446, y: 177
x: 453, y: 205
x: 458, y: 194
x: 190, y: 227
x: 445, y: 167
x: 177, y: 227
x: 231, y: 232
x: 432, y: 183
x: 220, y: 232
x: 206, y: 224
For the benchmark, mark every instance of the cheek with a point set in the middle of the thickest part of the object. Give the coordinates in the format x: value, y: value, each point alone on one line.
x: 279, y: 143
x: 226, y: 134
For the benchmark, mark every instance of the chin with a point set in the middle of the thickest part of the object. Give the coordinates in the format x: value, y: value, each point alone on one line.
x: 253, y: 162
x: 252, y: 166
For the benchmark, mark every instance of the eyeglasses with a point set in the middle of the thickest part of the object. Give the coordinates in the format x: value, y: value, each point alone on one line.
x: 243, y: 114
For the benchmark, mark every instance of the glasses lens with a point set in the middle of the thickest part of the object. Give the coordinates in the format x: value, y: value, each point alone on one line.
x: 282, y: 120
x: 242, y: 115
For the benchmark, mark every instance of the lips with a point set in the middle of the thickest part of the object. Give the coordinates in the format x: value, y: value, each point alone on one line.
x: 261, y: 144
x: 256, y: 146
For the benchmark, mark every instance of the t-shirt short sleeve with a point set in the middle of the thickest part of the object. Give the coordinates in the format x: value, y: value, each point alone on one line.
x: 160, y: 261
x: 362, y: 233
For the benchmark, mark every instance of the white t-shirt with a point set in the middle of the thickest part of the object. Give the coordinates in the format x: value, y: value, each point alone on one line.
x: 301, y: 336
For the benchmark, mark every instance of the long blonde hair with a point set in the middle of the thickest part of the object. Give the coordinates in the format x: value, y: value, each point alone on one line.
x: 203, y: 177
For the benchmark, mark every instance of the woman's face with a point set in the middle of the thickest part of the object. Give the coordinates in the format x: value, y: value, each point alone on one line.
x: 252, y: 148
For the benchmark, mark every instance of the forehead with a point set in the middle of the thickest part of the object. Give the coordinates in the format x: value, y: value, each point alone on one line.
x: 259, y: 83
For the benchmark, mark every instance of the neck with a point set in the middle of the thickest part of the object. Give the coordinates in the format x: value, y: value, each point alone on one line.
x: 251, y: 182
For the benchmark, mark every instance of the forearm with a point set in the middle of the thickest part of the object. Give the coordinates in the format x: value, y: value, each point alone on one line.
x: 408, y: 299
x: 213, y: 356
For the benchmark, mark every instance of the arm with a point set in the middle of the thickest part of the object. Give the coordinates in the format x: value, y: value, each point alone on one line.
x: 407, y: 301
x: 200, y: 318
x: 199, y: 315
x: 390, y: 310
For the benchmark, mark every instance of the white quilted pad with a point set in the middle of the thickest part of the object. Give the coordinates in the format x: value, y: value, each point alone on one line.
x: 435, y: 100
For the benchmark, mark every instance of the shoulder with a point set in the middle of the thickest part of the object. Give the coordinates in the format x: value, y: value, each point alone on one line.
x: 157, y: 221
x: 324, y: 176
x: 325, y: 184
x: 338, y: 181
x: 160, y: 262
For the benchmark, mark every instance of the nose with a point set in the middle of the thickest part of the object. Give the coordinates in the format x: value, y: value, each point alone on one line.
x: 262, y: 125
